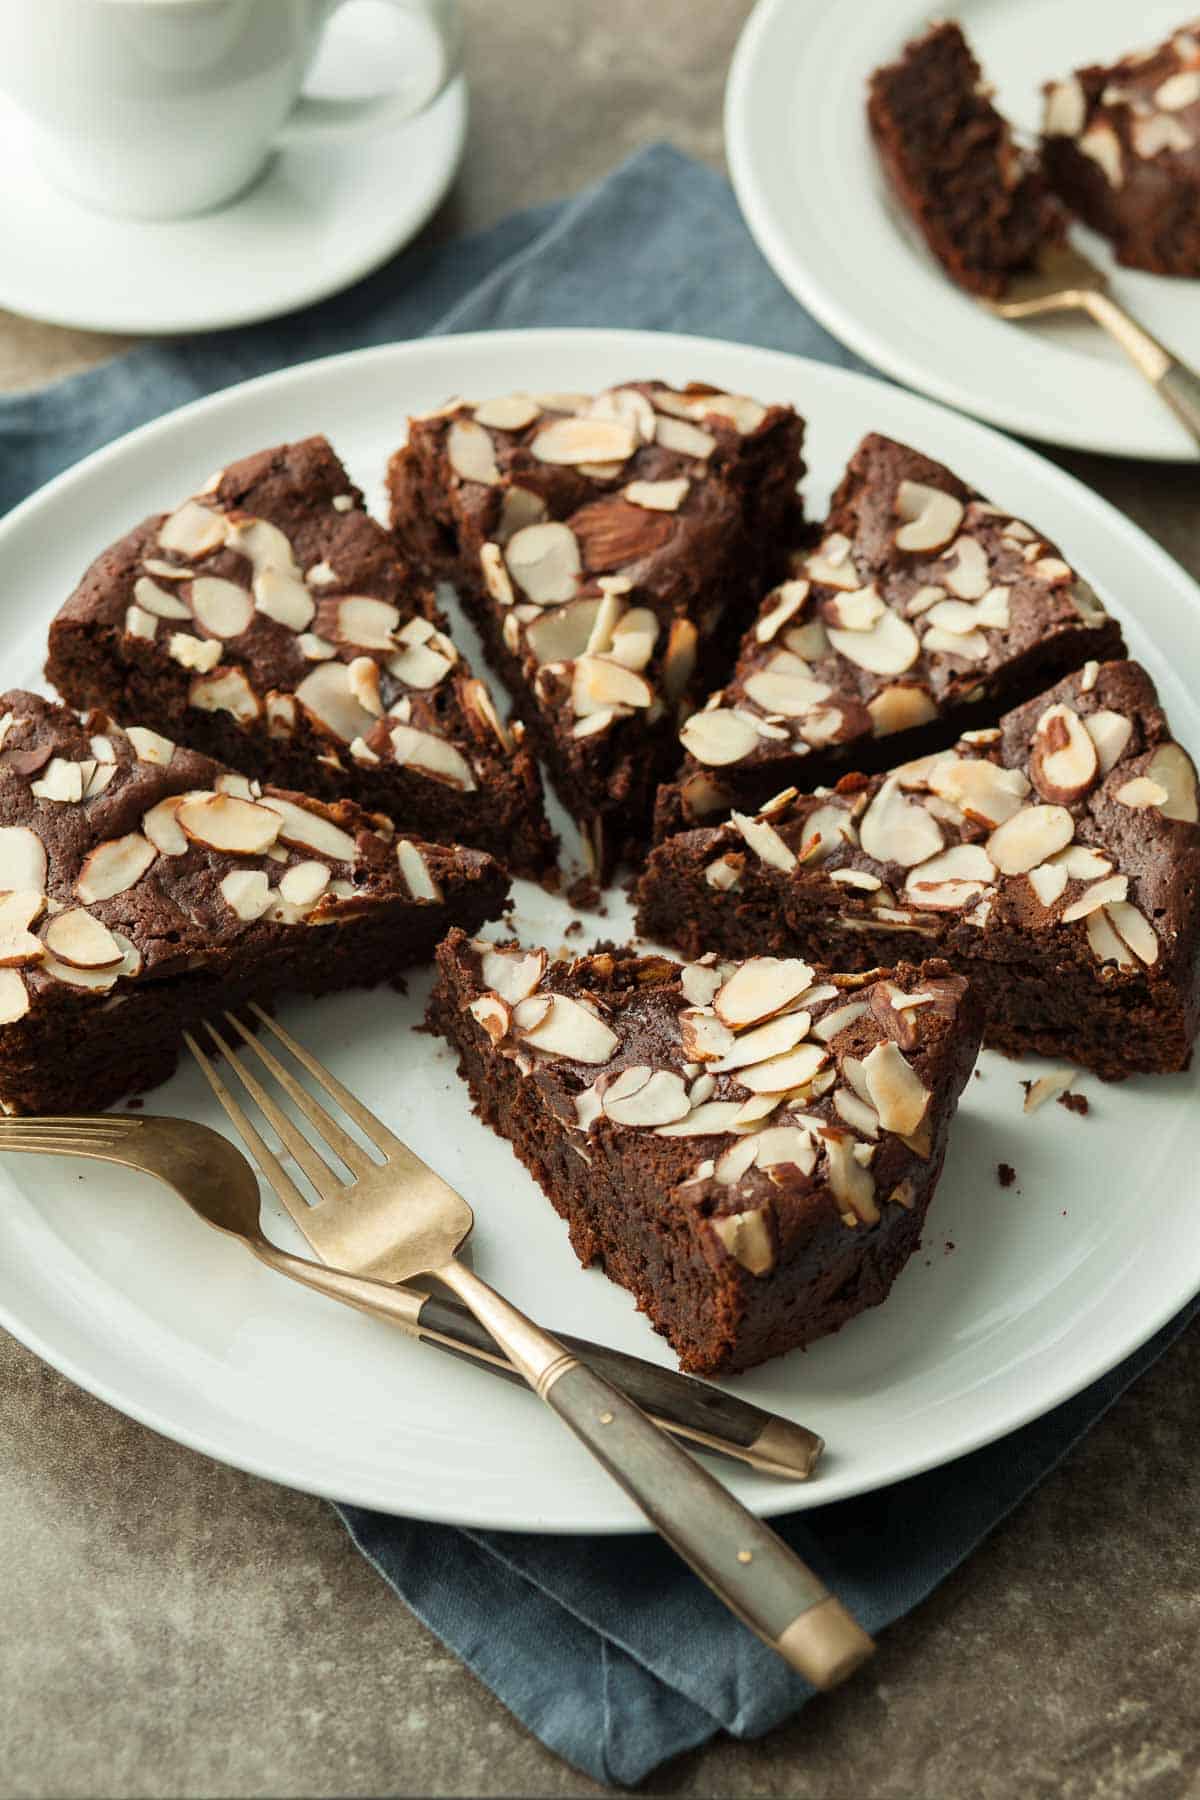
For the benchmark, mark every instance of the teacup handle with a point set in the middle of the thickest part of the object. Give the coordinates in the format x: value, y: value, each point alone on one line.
x: 313, y: 120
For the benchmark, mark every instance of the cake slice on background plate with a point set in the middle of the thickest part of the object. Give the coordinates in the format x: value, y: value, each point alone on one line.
x: 144, y: 888
x: 1055, y: 859
x: 750, y: 1148
x: 923, y: 611
x: 269, y: 622
x: 1121, y: 147
x: 980, y: 201
x: 611, y: 549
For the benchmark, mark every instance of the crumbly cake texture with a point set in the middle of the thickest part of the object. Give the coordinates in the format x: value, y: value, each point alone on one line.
x: 1121, y: 146
x: 268, y: 622
x: 143, y: 888
x: 610, y: 548
x: 751, y: 1149
x: 1055, y: 859
x: 981, y: 203
x: 923, y: 611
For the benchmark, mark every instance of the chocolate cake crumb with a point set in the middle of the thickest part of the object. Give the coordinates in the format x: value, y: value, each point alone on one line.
x: 584, y: 894
x: 1076, y: 1103
x: 1005, y: 1174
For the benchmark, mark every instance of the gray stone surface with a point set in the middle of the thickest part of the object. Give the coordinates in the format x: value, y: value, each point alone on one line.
x: 169, y: 1627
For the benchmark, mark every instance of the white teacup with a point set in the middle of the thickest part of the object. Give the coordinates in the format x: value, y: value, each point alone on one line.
x: 155, y: 109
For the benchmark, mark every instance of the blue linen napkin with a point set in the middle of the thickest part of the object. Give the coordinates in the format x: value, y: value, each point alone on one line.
x: 610, y: 1650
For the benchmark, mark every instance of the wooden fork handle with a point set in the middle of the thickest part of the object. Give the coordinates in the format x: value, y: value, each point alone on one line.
x: 742, y: 1560
x: 1178, y: 384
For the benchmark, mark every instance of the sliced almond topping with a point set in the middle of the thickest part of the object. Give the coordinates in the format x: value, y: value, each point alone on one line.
x: 508, y: 412
x: 1083, y: 863
x: 760, y: 988
x: 222, y: 607
x: 584, y: 440
x: 779, y: 1073
x: 150, y: 746
x: 544, y: 561
x: 75, y: 937
x: 634, y: 636
x: 644, y: 1096
x: 896, y: 830
x: 415, y: 870
x: 303, y: 884
x: 889, y: 648
x: 1063, y: 760
x: 788, y: 600
x: 982, y: 790
x: 594, y: 723
x: 1048, y: 882
x: 362, y: 677
x: 856, y: 878
x: 785, y: 687
x: 61, y: 781
x: 565, y: 632
x: 809, y: 641
x: 764, y: 1041
x: 201, y: 654
x: 1101, y: 893
x: 957, y: 617
x: 284, y: 598
x: 853, y: 1186
x: 856, y: 1112
x: 567, y: 1029
x: 855, y: 609
x: 495, y: 575
x: 826, y: 829
x: 1171, y: 768
x: 1134, y: 929
x: 519, y: 507
x: 1102, y: 144
x: 247, y: 892
x: 714, y: 1118
x: 896, y: 1091
x: 154, y: 599
x: 1066, y: 109
x: 281, y: 714
x: 367, y: 623
x: 493, y: 1014
x: 1047, y: 1087
x: 1029, y: 837
x: 1178, y: 90
x: 1110, y: 732
x: 18, y: 946
x: 679, y: 661
x: 227, y: 690
x: 900, y: 708
x: 599, y: 683
x: 193, y: 530
x: 700, y: 981
x: 765, y: 842
x: 432, y: 756
x: 162, y: 828
x: 1141, y: 791
x: 139, y: 623
x: 932, y: 516
x: 327, y: 696
x: 832, y: 563
x: 832, y: 1023
x: 14, y: 997
x: 704, y: 1038
x: 733, y: 1163
x: 224, y: 822
x: 746, y: 1237
x: 470, y: 453
x: 1155, y: 132
x: 1105, y: 945
x: 785, y: 1144
x: 951, y: 879
x: 513, y: 974
x: 685, y: 438
x: 968, y: 574
x: 420, y: 665
x: 114, y: 866
x: 658, y: 496
x: 305, y: 829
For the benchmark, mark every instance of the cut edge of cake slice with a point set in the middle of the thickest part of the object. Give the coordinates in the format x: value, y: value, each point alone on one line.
x: 268, y: 622
x: 144, y: 888
x: 750, y: 1149
x: 1055, y: 858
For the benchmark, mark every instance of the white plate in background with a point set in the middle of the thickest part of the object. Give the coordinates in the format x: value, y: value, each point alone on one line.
x: 1049, y: 1283
x: 816, y: 200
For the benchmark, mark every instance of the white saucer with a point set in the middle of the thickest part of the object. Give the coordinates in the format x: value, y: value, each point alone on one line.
x: 315, y: 221
x: 809, y: 183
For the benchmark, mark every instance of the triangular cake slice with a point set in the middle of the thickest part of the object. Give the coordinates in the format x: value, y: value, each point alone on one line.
x: 750, y: 1148
x: 1055, y: 859
x: 144, y: 888
x: 611, y: 549
x: 269, y: 622
x: 923, y: 611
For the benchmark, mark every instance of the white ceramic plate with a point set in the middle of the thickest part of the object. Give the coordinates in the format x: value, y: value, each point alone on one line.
x: 815, y: 198
x: 1049, y: 1283
x: 317, y: 220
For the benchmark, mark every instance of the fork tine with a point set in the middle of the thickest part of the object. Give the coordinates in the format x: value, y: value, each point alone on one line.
x: 373, y: 1127
x: 352, y: 1154
x: 81, y: 1121
x: 268, y: 1163
x: 327, y: 1184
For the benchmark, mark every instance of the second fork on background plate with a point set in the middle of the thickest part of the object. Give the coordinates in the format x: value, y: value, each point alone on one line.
x: 747, y: 1566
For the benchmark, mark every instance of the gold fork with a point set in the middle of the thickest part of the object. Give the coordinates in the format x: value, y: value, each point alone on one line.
x: 1066, y: 281
x: 742, y: 1560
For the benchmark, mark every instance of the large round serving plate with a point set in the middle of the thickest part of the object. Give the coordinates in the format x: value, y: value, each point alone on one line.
x: 1019, y: 1297
x: 815, y: 198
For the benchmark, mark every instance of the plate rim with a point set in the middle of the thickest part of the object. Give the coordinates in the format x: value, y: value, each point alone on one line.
x: 755, y: 48
x: 778, y: 1498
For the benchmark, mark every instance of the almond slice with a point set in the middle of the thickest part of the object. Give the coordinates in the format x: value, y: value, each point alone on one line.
x: 193, y: 530
x: 900, y: 707
x: 1110, y: 732
x: 247, y: 892
x: 519, y: 507
x: 853, y: 1185
x: 470, y: 453
x: 1029, y: 837
x: 61, y: 782
x: 897, y: 830
x: 644, y: 1096
x: 889, y: 648
x: 305, y: 829
x: 896, y: 1091
x: 1141, y: 792
x: 778, y: 1035
x: 1047, y: 1087
x: 791, y: 1070
x: 221, y: 607
x: 327, y: 696
x: 150, y: 746
x: 75, y: 937
x: 832, y: 563
x: 952, y: 879
x: 114, y: 866
x: 283, y: 597
x: 779, y: 1144
x: 712, y: 1119
x: 584, y: 440
x: 494, y: 1015
x: 982, y: 790
x: 415, y: 870
x: 599, y: 683
x: 831, y: 1024
x: 658, y: 496
x: 201, y: 654
x: 765, y: 842
x: 700, y: 981
x: 931, y: 516
x: 513, y: 974
x: 1063, y: 760
x: 1048, y: 881
x: 702, y: 1035
x: 226, y: 690
x: 1171, y: 767
x: 223, y: 822
x: 1134, y: 929
x: 855, y: 609
x: 968, y: 575
x: 1105, y: 944
x: 303, y: 884
x: 545, y: 562
x: 569, y: 1030
x: 788, y: 599
x: 367, y: 623
x: 156, y: 600
x: 760, y: 988
x: 508, y: 412
x: 162, y: 828
x: 1101, y: 893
